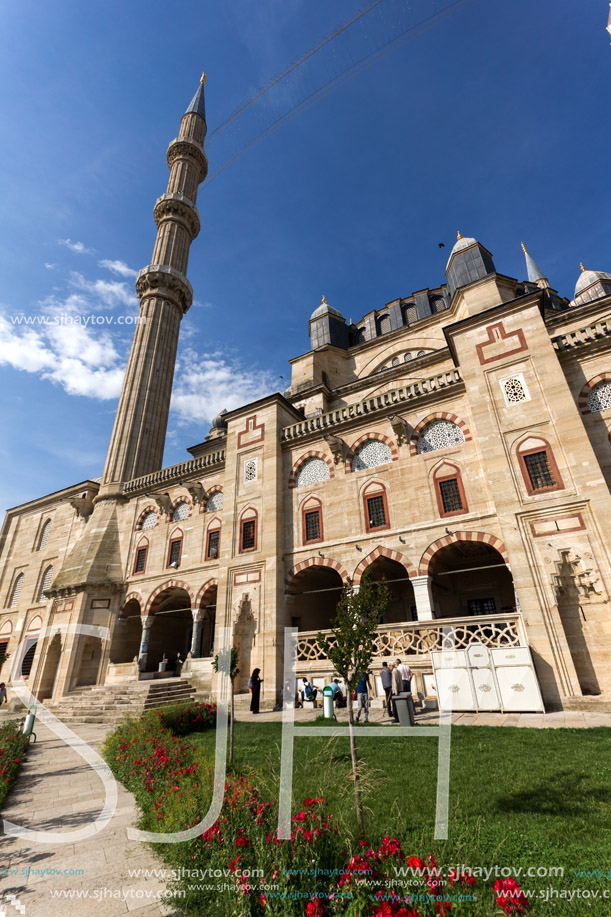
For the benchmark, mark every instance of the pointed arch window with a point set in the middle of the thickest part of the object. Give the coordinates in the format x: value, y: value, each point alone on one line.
x: 375, y: 505
x: 175, y: 549
x: 44, y: 535
x: 141, y: 556
x: 248, y: 531
x: 18, y: 586
x: 449, y: 490
x: 311, y: 521
x: 46, y: 582
x: 213, y: 540
x: 538, y: 466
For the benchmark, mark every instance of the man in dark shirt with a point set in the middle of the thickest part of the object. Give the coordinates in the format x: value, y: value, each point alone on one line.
x: 362, y: 696
x: 386, y: 678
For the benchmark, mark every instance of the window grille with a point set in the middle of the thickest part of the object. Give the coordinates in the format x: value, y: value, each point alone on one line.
x: 3, y: 646
x: 312, y: 525
x: 28, y: 659
x: 450, y: 495
x: 16, y: 591
x: 175, y: 551
x: 248, y: 535
x: 44, y: 535
x: 313, y: 470
x: 149, y: 521
x: 181, y: 511
x: 215, y: 501
x: 46, y: 582
x: 375, y: 511
x: 250, y: 470
x: 140, y: 560
x: 371, y: 453
x: 599, y: 398
x: 514, y: 390
x: 481, y: 606
x: 214, y: 539
x: 539, y: 471
x: 438, y: 435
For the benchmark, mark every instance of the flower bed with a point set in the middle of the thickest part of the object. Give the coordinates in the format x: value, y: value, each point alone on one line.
x: 240, y: 867
x: 13, y: 745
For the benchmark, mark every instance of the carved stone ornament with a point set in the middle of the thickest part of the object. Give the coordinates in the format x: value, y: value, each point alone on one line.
x: 83, y: 505
x: 399, y: 428
x: 179, y: 208
x: 166, y: 282
x: 196, y: 492
x: 163, y: 501
x: 572, y: 577
x: 184, y: 148
x: 336, y: 445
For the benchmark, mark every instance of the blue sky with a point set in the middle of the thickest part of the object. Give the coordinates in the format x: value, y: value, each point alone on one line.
x: 494, y: 122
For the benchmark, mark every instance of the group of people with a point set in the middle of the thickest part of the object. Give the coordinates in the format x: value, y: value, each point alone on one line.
x: 395, y: 679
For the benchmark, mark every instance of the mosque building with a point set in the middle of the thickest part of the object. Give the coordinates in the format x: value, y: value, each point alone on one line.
x: 454, y: 441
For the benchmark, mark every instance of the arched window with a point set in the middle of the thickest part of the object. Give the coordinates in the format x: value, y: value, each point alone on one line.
x: 396, y: 361
x: 46, y: 582
x: 438, y: 435
x: 408, y: 357
x: 422, y: 353
x: 311, y: 471
x: 214, y: 502
x: 248, y: 531
x: 409, y: 313
x: 16, y: 591
x: 149, y: 521
x: 181, y: 511
x: 438, y: 304
x: 538, y: 466
x: 311, y: 521
x: 449, y: 490
x: 383, y: 323
x: 141, y: 556
x: 213, y: 540
x: 371, y: 453
x: 376, y: 507
x: 175, y: 549
x: 44, y: 535
x: 599, y: 398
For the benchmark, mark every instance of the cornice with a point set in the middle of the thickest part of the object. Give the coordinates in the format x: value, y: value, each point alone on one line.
x: 184, y: 148
x: 581, y: 337
x: 166, y: 282
x: 178, y: 208
x: 173, y: 472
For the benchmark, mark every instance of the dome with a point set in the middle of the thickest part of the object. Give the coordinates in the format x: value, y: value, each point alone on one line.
x: 587, y: 278
x: 325, y: 309
x: 461, y: 243
x: 219, y: 422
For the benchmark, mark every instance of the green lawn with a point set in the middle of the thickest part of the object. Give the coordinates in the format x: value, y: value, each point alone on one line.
x: 519, y: 798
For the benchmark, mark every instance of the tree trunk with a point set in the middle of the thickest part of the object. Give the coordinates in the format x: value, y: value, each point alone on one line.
x: 355, y: 765
x: 231, y: 727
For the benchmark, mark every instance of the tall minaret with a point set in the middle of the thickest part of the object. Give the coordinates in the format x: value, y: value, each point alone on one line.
x: 138, y: 438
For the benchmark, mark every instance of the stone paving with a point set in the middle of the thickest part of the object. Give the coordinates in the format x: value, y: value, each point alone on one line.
x: 58, y: 791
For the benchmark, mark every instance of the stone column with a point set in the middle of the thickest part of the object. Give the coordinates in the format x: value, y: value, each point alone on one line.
x: 423, y: 595
x: 197, y: 631
x: 147, y: 623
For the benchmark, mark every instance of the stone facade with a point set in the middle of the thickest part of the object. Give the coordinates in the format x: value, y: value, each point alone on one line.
x: 455, y: 441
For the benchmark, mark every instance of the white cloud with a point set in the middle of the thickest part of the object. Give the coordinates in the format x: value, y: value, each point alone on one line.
x: 50, y: 267
x: 207, y: 383
x: 77, y: 247
x: 118, y: 267
x: 104, y: 293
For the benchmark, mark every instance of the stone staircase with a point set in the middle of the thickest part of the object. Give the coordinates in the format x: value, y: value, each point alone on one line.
x: 112, y: 703
x: 587, y: 703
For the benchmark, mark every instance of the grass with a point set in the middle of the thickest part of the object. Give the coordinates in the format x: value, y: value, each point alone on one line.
x: 518, y: 798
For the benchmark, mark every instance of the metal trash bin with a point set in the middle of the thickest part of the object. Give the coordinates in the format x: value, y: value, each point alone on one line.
x: 405, y: 708
x: 327, y: 703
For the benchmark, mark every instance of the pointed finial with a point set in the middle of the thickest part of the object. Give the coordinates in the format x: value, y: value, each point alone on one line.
x: 581, y: 266
x: 458, y: 235
x: 523, y: 248
x: 203, y: 79
x: 323, y: 301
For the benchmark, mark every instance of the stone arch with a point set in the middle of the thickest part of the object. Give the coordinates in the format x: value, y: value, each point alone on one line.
x: 437, y: 415
x: 582, y: 401
x: 204, y: 589
x: 130, y: 597
x: 181, y: 499
x: 169, y: 584
x: 381, y: 437
x: 6, y: 629
x: 34, y: 624
x: 383, y: 552
x: 314, y: 562
x: 432, y: 549
x: 303, y: 458
x: 150, y: 508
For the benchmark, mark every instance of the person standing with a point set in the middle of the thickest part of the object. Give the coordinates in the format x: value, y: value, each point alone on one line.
x: 3, y: 695
x: 255, y: 686
x: 386, y: 678
x: 397, y: 688
x: 406, y: 674
x: 362, y: 696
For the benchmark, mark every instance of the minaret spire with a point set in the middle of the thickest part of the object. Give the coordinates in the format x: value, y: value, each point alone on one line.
x: 138, y: 438
x: 535, y: 274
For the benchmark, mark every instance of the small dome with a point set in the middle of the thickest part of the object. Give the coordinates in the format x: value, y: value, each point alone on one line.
x: 461, y: 243
x: 587, y: 278
x: 325, y: 309
x: 219, y: 422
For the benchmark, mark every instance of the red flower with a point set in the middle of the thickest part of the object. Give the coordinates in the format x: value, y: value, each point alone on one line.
x: 443, y: 907
x: 263, y: 900
x: 417, y: 864
x: 314, y: 908
x: 509, y: 897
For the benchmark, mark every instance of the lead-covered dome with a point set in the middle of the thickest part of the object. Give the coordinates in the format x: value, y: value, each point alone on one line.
x: 325, y: 309
x: 219, y: 422
x: 587, y: 278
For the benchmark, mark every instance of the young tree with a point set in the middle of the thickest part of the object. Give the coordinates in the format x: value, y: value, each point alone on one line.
x: 233, y: 672
x: 359, y: 613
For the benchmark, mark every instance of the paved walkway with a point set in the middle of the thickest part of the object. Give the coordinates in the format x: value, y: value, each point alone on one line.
x: 57, y: 791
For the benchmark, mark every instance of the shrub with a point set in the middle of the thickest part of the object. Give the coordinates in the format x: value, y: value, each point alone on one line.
x: 13, y: 746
